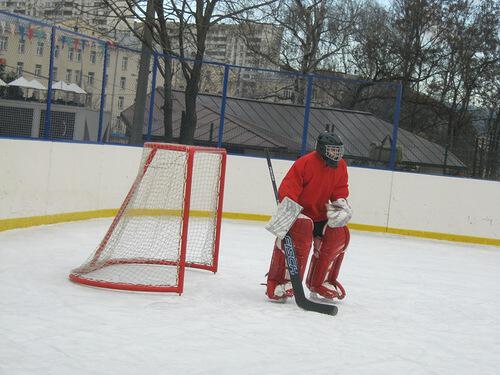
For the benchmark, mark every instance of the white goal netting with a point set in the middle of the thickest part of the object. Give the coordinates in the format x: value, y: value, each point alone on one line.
x: 146, y: 248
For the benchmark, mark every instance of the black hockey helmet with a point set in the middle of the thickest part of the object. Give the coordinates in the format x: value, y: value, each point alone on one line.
x: 330, y: 147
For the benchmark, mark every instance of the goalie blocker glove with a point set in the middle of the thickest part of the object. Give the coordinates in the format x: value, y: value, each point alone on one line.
x: 284, y: 218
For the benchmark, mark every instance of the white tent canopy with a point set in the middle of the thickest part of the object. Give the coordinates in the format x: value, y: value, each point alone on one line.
x: 2, y: 83
x: 61, y: 85
x: 77, y: 89
x: 22, y: 82
x: 37, y: 85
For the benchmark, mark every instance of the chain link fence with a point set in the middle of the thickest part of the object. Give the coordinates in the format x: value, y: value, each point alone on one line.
x: 97, y: 95
x: 24, y: 71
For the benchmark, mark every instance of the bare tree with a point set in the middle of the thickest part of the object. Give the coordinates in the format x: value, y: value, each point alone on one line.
x: 314, y: 32
x: 180, y: 29
x: 488, y: 103
x: 443, y: 52
x: 370, y: 53
x: 470, y: 40
x: 396, y: 44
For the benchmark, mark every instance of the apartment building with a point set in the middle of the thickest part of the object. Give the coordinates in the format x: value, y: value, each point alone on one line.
x: 88, y: 12
x: 232, y: 44
x: 79, y: 57
x: 25, y: 51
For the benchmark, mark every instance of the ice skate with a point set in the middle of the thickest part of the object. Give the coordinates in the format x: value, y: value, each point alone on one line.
x: 279, y: 293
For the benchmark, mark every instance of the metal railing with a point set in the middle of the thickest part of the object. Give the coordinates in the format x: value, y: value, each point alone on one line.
x: 243, y: 108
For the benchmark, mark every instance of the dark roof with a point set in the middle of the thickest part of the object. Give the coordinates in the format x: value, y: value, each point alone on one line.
x: 262, y: 124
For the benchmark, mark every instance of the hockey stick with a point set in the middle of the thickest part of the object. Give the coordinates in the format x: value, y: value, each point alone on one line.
x: 292, y: 266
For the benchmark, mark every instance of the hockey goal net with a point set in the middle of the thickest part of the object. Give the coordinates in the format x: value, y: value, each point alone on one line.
x: 169, y: 220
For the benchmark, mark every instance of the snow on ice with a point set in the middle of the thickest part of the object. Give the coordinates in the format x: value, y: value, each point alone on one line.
x: 413, y: 306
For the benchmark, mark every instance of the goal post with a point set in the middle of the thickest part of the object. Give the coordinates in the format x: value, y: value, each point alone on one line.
x: 169, y: 220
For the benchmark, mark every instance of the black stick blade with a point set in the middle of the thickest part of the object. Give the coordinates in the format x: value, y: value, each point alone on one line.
x: 298, y: 289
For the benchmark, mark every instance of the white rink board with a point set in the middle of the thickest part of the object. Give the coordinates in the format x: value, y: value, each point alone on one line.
x: 370, y: 193
x: 43, y: 178
x: 445, y: 205
x: 248, y: 188
x: 24, y: 170
x: 80, y: 184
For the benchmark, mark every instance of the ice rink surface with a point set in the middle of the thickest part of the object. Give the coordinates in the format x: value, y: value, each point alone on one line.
x: 413, y: 306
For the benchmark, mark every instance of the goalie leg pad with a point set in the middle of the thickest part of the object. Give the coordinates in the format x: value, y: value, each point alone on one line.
x: 277, y: 268
x: 301, y: 233
x: 278, y: 280
x: 326, y: 261
x: 277, y: 274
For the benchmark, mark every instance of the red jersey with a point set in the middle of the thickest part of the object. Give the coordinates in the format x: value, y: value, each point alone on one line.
x: 311, y: 183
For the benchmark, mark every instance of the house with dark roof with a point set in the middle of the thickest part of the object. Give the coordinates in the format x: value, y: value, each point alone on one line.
x: 251, y: 126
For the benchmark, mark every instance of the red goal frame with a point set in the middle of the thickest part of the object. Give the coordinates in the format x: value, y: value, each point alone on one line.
x: 182, y: 264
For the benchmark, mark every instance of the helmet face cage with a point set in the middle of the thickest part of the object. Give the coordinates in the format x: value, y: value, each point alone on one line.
x: 330, y: 148
x: 334, y: 152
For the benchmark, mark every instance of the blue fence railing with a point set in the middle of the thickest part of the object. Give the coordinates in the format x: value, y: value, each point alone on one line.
x: 61, y: 84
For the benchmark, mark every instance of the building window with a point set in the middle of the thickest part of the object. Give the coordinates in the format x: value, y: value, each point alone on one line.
x: 38, y: 70
x: 123, y: 82
x: 21, y: 47
x: 93, y: 56
x: 70, y: 54
x: 69, y: 73
x: 19, y: 68
x: 3, y: 43
x: 54, y: 73
x: 121, y: 100
x: 56, y: 52
x: 124, y: 63
x: 39, y: 48
x: 78, y: 79
x: 90, y: 79
x: 78, y: 55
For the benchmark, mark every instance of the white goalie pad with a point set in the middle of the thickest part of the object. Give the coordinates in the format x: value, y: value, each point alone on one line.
x: 286, y: 214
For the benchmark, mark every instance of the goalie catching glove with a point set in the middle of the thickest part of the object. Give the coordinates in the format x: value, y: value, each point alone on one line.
x: 339, y: 213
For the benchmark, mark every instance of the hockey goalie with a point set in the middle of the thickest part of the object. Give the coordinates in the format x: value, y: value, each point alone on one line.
x: 314, y: 211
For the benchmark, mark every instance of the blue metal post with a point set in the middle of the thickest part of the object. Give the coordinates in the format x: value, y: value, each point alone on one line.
x: 48, y: 109
x: 223, y: 105
x: 395, y: 127
x: 152, y: 98
x: 306, y: 113
x: 103, y: 92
